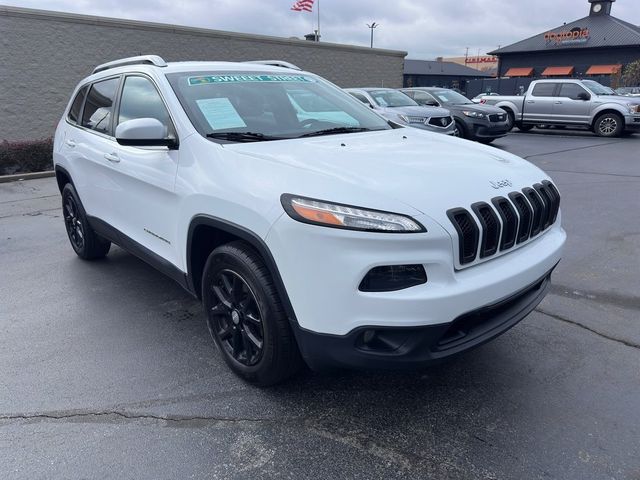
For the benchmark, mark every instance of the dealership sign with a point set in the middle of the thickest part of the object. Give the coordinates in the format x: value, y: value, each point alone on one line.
x: 567, y: 37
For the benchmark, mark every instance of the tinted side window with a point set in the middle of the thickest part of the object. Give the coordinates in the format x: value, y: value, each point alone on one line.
x: 98, y: 107
x: 140, y: 99
x: 571, y: 90
x: 423, y: 97
x: 76, y: 106
x: 360, y: 97
x: 544, y: 90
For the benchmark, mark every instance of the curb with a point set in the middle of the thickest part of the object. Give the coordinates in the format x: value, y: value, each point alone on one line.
x: 26, y: 176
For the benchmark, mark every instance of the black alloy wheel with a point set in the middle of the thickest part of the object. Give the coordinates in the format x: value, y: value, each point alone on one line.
x: 236, y: 318
x: 246, y: 316
x: 73, y: 223
x: 87, y: 244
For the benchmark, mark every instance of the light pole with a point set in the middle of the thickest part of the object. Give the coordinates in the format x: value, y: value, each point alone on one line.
x: 373, y: 26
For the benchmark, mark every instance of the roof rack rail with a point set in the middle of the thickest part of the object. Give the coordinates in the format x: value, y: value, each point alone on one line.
x: 139, y: 60
x: 276, y: 63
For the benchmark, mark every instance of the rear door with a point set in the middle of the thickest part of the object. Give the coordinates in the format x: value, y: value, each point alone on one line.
x: 538, y: 105
x: 568, y: 107
x: 144, y: 177
x: 91, y: 142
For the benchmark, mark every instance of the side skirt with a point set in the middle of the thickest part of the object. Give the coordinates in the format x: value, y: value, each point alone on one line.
x: 105, y: 230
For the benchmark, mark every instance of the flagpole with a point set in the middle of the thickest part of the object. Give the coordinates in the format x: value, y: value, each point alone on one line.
x: 318, y: 35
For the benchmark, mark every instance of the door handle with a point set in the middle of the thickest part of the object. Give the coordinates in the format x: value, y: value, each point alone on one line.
x: 558, y: 103
x: 531, y: 101
x: 112, y: 157
x: 70, y: 143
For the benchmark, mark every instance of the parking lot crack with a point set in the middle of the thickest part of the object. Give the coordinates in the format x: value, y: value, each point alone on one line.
x: 115, y: 415
x: 589, y: 329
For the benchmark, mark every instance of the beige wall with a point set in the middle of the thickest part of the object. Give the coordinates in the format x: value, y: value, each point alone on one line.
x: 44, y: 54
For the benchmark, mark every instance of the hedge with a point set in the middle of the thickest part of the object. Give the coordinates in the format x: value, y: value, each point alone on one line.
x: 26, y: 157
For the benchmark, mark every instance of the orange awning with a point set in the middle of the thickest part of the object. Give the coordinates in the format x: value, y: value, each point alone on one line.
x: 557, y: 71
x: 604, y: 69
x: 519, y: 72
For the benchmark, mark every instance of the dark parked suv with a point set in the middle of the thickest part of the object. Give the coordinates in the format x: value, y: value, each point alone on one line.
x: 475, y: 122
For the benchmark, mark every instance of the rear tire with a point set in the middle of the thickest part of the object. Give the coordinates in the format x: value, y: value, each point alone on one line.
x: 525, y: 128
x: 511, y: 120
x: 246, y: 318
x: 87, y: 244
x: 609, y: 125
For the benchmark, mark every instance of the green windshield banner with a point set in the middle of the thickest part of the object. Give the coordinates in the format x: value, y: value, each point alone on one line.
x: 209, y: 79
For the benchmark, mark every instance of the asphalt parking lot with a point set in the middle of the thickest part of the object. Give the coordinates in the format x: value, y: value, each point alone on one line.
x: 107, y: 369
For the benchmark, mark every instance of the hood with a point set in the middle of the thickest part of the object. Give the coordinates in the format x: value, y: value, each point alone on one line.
x: 403, y: 170
x: 417, y: 111
x: 625, y: 100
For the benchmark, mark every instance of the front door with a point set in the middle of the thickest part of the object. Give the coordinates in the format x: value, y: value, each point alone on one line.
x: 146, y: 204
x: 569, y: 107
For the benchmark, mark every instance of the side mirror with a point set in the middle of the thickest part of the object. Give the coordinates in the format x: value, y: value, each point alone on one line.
x: 144, y: 132
x: 430, y: 104
x: 584, y: 96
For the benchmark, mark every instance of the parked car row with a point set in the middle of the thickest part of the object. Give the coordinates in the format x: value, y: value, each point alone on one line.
x: 438, y: 110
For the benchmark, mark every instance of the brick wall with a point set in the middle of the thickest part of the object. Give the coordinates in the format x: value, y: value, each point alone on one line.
x: 43, y: 55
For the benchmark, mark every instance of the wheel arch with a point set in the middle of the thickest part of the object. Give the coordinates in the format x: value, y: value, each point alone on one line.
x: 62, y: 177
x: 207, y: 232
x: 604, y: 111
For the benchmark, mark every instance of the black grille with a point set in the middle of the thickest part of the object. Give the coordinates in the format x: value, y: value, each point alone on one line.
x: 555, y: 200
x: 497, y: 117
x: 525, y: 214
x: 509, y: 222
x: 440, y: 121
x: 506, y: 223
x: 468, y: 234
x: 538, y: 208
x: 546, y: 199
x: 490, y: 229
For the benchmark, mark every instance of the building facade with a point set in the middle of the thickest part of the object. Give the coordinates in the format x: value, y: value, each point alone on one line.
x: 598, y: 45
x: 439, y: 73
x: 43, y: 55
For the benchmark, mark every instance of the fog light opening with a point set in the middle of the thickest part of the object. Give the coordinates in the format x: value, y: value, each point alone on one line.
x: 391, y: 278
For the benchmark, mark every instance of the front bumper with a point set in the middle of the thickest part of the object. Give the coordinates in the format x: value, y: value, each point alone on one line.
x: 405, y: 348
x: 632, y: 123
x: 322, y: 268
x: 482, y: 130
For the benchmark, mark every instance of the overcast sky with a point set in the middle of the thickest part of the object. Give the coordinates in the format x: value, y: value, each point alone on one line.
x: 425, y: 28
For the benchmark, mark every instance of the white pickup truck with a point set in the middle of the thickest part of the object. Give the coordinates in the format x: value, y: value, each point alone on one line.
x: 571, y: 102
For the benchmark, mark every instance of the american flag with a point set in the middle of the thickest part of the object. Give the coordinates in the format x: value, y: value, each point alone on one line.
x: 303, y: 5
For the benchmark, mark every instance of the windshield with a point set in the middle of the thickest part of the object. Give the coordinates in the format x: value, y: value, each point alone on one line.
x: 450, y: 97
x: 226, y: 106
x: 597, y: 88
x: 391, y: 98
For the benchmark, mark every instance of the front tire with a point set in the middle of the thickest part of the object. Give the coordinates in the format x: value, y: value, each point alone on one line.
x: 246, y: 318
x: 87, y: 244
x: 609, y: 125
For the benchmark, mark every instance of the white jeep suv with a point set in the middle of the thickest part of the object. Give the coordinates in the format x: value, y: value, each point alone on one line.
x: 311, y: 228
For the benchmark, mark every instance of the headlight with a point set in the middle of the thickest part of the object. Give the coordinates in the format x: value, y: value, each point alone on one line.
x: 634, y: 108
x: 412, y: 119
x: 472, y: 114
x: 318, y: 212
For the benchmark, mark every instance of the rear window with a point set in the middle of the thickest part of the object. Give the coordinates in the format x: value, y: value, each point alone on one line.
x: 544, y: 90
x: 76, y: 106
x: 98, y: 108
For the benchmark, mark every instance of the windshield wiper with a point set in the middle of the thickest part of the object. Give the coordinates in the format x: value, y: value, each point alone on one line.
x: 242, y: 136
x: 336, y: 130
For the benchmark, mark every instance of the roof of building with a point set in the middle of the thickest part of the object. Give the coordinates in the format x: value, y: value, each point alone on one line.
x: 436, y: 67
x: 603, y: 31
